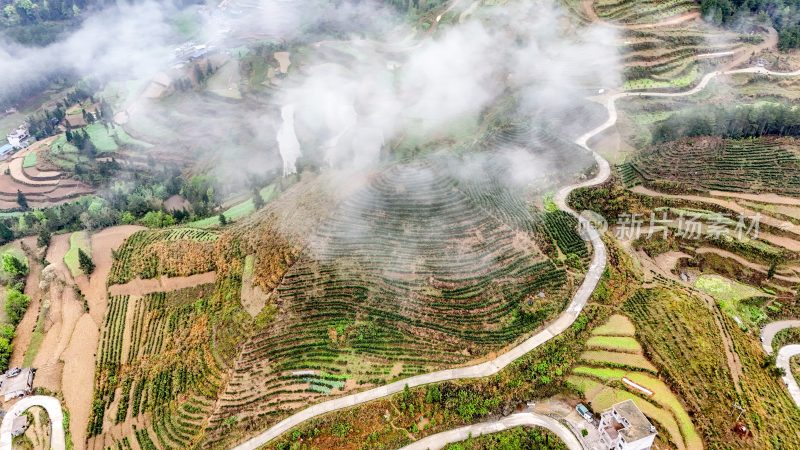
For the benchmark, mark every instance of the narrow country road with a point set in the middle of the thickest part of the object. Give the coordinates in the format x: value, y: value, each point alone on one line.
x: 782, y: 361
x: 526, y: 419
x: 563, y: 321
x: 53, y: 408
x: 785, y: 353
x: 771, y: 329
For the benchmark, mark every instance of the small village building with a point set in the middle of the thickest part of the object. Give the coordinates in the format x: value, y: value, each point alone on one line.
x: 625, y: 427
x: 20, y: 425
x: 16, y: 383
x: 19, y: 138
x: 74, y: 121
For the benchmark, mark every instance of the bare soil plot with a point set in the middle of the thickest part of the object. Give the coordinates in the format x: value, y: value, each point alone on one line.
x: 78, y: 378
x: 141, y: 287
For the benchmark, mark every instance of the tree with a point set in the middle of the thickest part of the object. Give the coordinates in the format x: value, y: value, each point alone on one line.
x: 258, y: 201
x: 14, y: 266
x: 85, y: 262
x: 6, y: 234
x: 16, y: 305
x: 43, y: 240
x: 772, y: 268
x: 223, y: 220
x: 21, y: 200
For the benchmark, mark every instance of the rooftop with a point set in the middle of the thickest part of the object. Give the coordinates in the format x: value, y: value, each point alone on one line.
x: 638, y: 426
x: 19, y: 382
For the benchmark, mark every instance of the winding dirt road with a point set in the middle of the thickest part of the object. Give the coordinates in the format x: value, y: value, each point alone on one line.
x: 785, y: 354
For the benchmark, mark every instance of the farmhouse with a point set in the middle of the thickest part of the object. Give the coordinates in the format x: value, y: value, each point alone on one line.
x: 19, y: 138
x: 16, y: 383
x: 74, y: 121
x: 625, y: 427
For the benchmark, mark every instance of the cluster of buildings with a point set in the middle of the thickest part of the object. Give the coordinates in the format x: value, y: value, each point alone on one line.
x: 622, y: 427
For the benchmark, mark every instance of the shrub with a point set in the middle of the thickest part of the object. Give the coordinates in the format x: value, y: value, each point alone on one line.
x: 16, y: 305
x: 14, y: 266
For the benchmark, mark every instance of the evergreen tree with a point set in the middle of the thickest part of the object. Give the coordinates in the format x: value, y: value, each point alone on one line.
x: 258, y: 201
x: 21, y: 200
x: 6, y: 234
x: 85, y: 262
x: 223, y: 220
x: 43, y: 240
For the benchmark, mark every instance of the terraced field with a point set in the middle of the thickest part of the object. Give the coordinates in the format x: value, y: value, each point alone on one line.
x: 621, y: 372
x: 413, y: 272
x: 679, y: 334
x: 156, y: 359
x: 674, y: 57
x: 642, y: 11
x: 766, y: 164
x: 169, y: 252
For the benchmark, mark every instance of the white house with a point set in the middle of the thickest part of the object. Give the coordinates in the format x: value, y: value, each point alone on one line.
x: 19, y: 137
x: 16, y: 383
x: 625, y: 427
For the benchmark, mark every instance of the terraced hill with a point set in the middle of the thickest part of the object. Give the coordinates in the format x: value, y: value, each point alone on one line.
x: 409, y: 274
x: 767, y: 164
x: 642, y: 11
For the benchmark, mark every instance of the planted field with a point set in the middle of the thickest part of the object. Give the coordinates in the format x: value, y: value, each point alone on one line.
x: 682, y: 339
x: 77, y: 241
x: 600, y: 382
x: 102, y: 137
x: 617, y: 325
x: 409, y: 274
x: 615, y: 343
x: 747, y: 165
x: 618, y: 359
x: 733, y: 296
x: 169, y: 369
x: 642, y: 11
x: 674, y: 57
x: 562, y: 228
x: 170, y: 252
x: 29, y: 160
x: 236, y: 212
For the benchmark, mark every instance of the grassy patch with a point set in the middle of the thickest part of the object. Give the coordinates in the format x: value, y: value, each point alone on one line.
x: 30, y: 160
x: 588, y: 387
x: 124, y: 138
x: 730, y: 295
x: 249, y: 263
x: 225, y: 82
x: 78, y: 240
x: 61, y: 146
x: 616, y: 343
x: 36, y: 338
x: 617, y: 325
x: 102, y: 138
x: 618, y: 359
x: 603, y: 373
x: 237, y: 211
